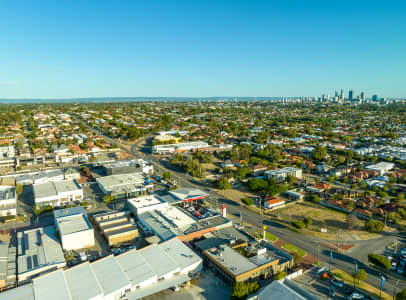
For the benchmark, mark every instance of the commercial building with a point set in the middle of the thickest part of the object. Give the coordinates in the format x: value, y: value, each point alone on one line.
x: 132, y: 275
x: 8, y: 202
x: 382, y: 167
x: 247, y: 261
x: 57, y: 193
x: 39, y: 251
x: 71, y: 174
x: 116, y: 227
x: 128, y: 166
x: 75, y: 230
x: 282, y: 174
x: 40, y: 177
x: 283, y: 289
x: 143, y: 204
x: 181, y: 147
x: 125, y: 185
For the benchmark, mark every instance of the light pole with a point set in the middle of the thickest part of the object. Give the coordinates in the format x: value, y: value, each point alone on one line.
x: 394, y: 290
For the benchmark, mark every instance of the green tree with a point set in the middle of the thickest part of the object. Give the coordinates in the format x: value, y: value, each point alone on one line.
x: 223, y: 184
x: 247, y: 201
x: 374, y: 226
x: 361, y: 275
x: 314, y: 198
x: 280, y: 275
x: 401, y: 295
x: 167, y: 176
x: 19, y: 189
x: 241, y: 290
x: 319, y: 153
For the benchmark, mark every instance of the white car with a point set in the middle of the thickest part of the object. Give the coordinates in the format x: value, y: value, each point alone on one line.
x: 355, y: 296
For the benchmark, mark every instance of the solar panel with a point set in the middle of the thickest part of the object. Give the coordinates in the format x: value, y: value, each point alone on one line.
x: 29, y: 263
x: 35, y: 260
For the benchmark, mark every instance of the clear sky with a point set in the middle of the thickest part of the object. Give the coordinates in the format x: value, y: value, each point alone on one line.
x: 201, y: 48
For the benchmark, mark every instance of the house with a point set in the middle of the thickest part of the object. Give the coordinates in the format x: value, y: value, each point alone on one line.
x: 317, y: 188
x: 273, y: 202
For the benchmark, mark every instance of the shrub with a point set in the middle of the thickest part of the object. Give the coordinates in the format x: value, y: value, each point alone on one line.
x: 280, y: 275
x: 374, y: 226
x: 307, y: 221
x: 299, y: 224
x: 247, y: 201
x: 108, y: 198
x: 242, y: 289
x: 379, y: 260
x: 314, y: 198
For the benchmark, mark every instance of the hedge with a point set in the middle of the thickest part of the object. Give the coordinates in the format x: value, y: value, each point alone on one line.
x: 379, y: 260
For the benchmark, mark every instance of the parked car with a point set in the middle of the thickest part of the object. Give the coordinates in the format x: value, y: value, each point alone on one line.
x: 337, y: 283
x: 394, y: 266
x: 355, y: 296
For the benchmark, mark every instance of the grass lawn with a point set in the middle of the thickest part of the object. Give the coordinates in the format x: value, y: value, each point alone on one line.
x: 269, y: 236
x: 361, y: 285
x: 293, y: 249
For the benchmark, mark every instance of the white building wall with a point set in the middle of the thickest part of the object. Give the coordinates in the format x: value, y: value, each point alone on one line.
x: 78, y: 240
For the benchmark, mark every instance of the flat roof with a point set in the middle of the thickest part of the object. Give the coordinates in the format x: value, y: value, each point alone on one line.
x: 50, y: 189
x: 82, y: 282
x: 7, y: 192
x: 159, y: 260
x: 167, y: 222
x: 51, y: 286
x: 136, y: 267
x: 38, y: 248
x: 122, y: 182
x: 110, y: 274
x: 145, y: 201
x: 71, y: 220
x: 233, y: 261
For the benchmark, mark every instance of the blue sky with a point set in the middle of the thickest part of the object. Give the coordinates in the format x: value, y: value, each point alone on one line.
x: 201, y: 48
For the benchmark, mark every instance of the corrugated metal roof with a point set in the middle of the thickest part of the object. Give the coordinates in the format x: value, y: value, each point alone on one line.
x: 82, y: 282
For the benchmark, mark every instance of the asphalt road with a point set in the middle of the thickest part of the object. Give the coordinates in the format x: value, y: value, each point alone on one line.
x: 313, y: 246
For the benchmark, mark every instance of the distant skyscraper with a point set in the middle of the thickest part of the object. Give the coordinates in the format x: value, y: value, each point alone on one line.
x: 351, y: 94
x: 336, y: 94
x: 375, y: 98
x: 342, y: 94
x: 363, y: 96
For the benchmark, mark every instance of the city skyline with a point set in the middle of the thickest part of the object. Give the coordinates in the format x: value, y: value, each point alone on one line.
x: 200, y: 49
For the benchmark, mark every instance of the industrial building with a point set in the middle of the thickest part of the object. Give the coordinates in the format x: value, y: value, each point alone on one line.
x: 75, y: 230
x: 57, y: 193
x: 8, y: 201
x: 134, y: 275
x: 247, y: 261
x: 8, y: 274
x: 116, y: 227
x: 125, y: 185
x: 39, y: 251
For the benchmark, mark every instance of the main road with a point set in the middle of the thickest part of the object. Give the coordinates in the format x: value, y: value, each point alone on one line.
x: 313, y: 246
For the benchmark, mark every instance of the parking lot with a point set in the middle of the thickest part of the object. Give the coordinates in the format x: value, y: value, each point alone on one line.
x: 197, y: 211
x: 396, y: 254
